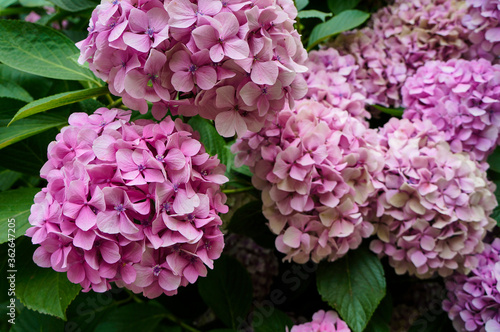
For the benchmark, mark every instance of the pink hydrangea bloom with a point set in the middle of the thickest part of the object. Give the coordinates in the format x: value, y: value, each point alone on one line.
x: 473, y: 300
x: 314, y: 165
x: 483, y: 22
x: 433, y: 210
x: 184, y: 56
x: 462, y: 98
x: 322, y: 321
x: 331, y: 78
x: 131, y: 203
x: 399, y: 39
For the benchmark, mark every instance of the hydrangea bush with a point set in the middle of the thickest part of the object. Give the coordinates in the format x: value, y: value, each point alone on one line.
x: 245, y: 165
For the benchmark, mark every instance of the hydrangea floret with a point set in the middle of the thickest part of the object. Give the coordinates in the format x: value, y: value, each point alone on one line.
x: 132, y: 203
x: 434, y: 208
x: 323, y: 321
x: 314, y: 165
x: 236, y: 62
x: 462, y: 98
x: 473, y: 301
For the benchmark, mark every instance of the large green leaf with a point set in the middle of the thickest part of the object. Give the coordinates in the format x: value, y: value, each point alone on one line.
x: 28, y: 127
x: 6, y: 3
x: 338, y: 6
x: 213, y: 142
x: 37, y: 86
x: 30, y: 320
x: 58, y: 100
x: 301, y: 4
x: 134, y: 317
x: 42, y: 289
x: 15, y: 204
x: 34, y: 3
x: 347, y: 20
x: 496, y: 212
x: 276, y: 321
x: 8, y: 178
x: 381, y: 319
x: 494, y: 160
x: 353, y: 286
x: 313, y: 13
x: 40, y: 50
x: 227, y: 289
x: 73, y: 5
x: 14, y: 91
x: 397, y: 112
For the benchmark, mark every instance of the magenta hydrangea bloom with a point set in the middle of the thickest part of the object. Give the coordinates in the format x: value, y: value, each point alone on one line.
x: 399, y: 39
x: 473, y: 300
x: 236, y: 63
x: 314, y: 165
x: 132, y: 203
x: 462, y: 98
x: 433, y: 210
x: 322, y: 321
x: 331, y: 78
x: 482, y: 19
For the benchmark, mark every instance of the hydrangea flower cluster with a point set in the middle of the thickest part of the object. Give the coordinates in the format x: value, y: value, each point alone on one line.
x: 399, y: 39
x: 314, y: 165
x: 134, y: 203
x: 462, y: 98
x: 483, y: 22
x: 261, y: 263
x: 331, y: 78
x: 233, y: 62
x: 473, y: 302
x: 322, y: 321
x: 434, y: 207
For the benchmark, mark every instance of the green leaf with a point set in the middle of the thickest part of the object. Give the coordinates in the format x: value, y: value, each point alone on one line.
x: 313, y: 13
x: 15, y: 204
x: 40, y: 50
x: 338, y: 6
x: 14, y: 91
x: 494, y: 160
x: 6, y: 3
x: 346, y: 20
x: 248, y: 220
x: 30, y: 320
x: 381, y: 319
x: 35, y: 85
x: 227, y: 289
x: 73, y: 5
x: 8, y: 178
x: 213, y: 142
x: 28, y: 127
x: 42, y: 289
x: 133, y: 317
x: 301, y: 4
x: 398, y: 112
x: 58, y: 100
x: 353, y: 286
x: 34, y: 3
x: 277, y: 321
x: 496, y: 212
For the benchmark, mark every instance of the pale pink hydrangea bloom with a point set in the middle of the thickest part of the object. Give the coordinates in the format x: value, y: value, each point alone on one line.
x: 433, y: 210
x: 473, y: 300
x: 131, y: 203
x: 483, y: 22
x: 314, y: 165
x: 462, y: 98
x: 331, y: 78
x: 236, y: 63
x: 322, y: 321
x: 399, y: 39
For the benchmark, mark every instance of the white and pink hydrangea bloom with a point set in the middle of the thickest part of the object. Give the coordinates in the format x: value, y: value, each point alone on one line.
x: 433, y: 209
x: 322, y: 321
x: 180, y: 54
x: 462, y: 98
x: 314, y: 165
x: 482, y: 21
x: 399, y: 39
x: 131, y: 203
x: 473, y: 300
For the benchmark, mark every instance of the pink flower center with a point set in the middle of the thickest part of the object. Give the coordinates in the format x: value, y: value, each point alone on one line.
x: 141, y: 167
x: 156, y: 270
x: 120, y: 208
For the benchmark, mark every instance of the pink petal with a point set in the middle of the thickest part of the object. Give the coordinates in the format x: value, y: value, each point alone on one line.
x: 206, y: 77
x: 142, y: 43
x: 227, y: 123
x: 168, y: 281
x: 264, y: 72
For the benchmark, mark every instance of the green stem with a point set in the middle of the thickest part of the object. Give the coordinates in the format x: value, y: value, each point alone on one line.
x: 110, y: 100
x: 116, y: 103
x: 237, y: 190
x: 177, y: 321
